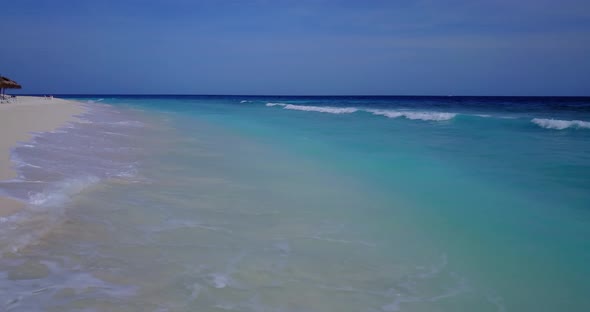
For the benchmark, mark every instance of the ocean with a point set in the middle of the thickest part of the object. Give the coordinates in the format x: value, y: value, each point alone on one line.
x: 265, y: 203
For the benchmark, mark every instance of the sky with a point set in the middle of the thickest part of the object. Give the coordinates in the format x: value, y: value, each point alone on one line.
x: 304, y: 47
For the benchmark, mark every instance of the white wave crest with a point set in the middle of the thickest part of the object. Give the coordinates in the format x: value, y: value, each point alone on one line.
x: 429, y: 116
x: 319, y: 109
x: 386, y: 113
x: 560, y: 124
x: 322, y: 109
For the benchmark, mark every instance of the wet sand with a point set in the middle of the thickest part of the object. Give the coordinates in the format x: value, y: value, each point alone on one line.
x: 18, y: 120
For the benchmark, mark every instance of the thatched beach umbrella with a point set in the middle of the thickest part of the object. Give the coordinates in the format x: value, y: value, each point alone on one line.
x: 6, y: 83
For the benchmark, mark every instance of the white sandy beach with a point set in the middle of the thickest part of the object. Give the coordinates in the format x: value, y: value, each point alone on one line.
x: 18, y: 120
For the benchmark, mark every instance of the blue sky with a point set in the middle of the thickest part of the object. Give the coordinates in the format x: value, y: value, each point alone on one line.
x: 422, y: 47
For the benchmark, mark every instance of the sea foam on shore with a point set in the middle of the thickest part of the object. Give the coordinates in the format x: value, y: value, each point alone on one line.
x: 54, y: 166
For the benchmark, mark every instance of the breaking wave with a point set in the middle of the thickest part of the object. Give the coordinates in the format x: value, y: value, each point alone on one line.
x: 319, y: 109
x: 429, y: 116
x: 322, y: 109
x: 560, y: 124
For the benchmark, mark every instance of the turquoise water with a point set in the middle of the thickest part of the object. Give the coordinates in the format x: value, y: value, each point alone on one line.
x: 304, y: 204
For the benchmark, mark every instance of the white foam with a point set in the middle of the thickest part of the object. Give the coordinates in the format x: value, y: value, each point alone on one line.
x: 21, y: 163
x: 560, y: 124
x: 428, y: 116
x: 386, y: 113
x: 45, y: 211
x: 56, y: 166
x: 62, y: 192
x: 319, y: 109
x: 322, y: 109
x: 128, y: 172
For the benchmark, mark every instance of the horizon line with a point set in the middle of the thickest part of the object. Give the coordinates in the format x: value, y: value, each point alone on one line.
x: 292, y: 95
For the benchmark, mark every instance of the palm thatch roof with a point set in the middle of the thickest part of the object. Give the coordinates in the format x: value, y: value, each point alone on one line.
x: 6, y: 83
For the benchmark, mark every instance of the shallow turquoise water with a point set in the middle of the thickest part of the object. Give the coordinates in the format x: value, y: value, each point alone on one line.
x: 305, y: 204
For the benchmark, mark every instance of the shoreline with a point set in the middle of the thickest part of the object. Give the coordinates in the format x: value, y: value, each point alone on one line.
x: 18, y: 121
